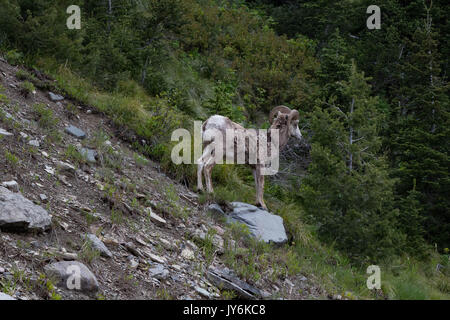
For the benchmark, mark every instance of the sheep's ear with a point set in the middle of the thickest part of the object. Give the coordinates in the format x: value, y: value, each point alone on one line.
x: 277, y: 115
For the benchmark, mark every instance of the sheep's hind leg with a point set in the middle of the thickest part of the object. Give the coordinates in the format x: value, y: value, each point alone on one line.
x: 207, y: 171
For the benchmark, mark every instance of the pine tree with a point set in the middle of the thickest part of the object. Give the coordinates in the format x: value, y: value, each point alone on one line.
x: 348, y: 193
x: 419, y: 138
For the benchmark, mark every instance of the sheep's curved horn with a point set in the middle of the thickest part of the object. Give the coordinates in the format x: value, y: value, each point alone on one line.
x: 282, y: 109
x: 293, y: 115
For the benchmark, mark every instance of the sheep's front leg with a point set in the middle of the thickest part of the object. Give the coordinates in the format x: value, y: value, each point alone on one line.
x: 259, y: 180
x: 199, y: 174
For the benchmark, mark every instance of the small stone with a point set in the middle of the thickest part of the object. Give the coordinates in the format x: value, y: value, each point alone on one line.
x: 23, y: 135
x: 49, y: 170
x: 166, y: 244
x: 159, y: 272
x: 131, y: 248
x: 76, y: 132
x: 5, y: 133
x: 156, y: 258
x: 63, y: 179
x: 66, y: 167
x: 34, y: 143
x: 98, y: 245
x: 89, y: 154
x: 43, y: 198
x: 55, y: 97
x: 11, y: 185
x: 134, y: 263
x: 155, y: 218
x: 219, y: 230
x: 218, y: 241
x: 176, y: 267
x: 203, y: 292
x: 188, y: 254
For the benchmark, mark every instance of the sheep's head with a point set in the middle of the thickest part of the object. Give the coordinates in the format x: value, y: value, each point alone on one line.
x: 283, y: 115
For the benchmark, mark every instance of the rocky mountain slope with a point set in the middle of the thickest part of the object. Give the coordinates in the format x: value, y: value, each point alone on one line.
x: 73, y: 194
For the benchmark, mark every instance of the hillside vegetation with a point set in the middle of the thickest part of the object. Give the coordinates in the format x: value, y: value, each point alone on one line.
x: 373, y: 105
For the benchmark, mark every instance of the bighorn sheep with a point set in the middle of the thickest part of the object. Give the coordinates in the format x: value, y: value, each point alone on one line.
x: 282, y: 118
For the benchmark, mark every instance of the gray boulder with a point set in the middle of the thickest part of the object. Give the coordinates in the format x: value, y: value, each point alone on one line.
x: 98, y: 245
x: 20, y: 214
x: 72, y: 275
x: 262, y: 224
x: 76, y: 132
x: 4, y: 296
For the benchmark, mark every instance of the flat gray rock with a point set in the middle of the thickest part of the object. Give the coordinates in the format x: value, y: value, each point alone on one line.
x: 89, y: 154
x: 98, y: 245
x: 226, y: 279
x: 4, y: 296
x: 55, y: 97
x: 76, y: 132
x: 20, y: 214
x: 262, y: 224
x: 72, y: 275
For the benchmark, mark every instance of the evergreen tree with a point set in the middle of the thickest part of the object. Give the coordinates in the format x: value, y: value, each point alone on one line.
x: 420, y: 131
x: 348, y: 193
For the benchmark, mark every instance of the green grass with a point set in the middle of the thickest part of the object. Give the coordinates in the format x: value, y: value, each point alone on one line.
x: 44, y: 116
x: 11, y: 159
x: 88, y: 254
x: 73, y: 154
x: 26, y: 88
